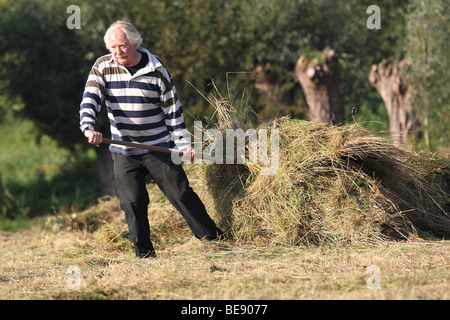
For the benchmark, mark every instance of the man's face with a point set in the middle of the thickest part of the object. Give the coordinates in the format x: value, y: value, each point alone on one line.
x: 123, y: 52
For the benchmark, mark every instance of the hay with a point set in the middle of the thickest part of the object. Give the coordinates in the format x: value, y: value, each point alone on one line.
x: 334, y: 184
x: 106, y: 221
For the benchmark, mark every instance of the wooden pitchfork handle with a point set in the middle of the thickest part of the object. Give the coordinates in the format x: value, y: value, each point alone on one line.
x: 143, y: 146
x: 165, y: 150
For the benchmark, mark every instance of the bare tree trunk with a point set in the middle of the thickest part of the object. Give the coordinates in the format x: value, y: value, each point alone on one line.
x: 266, y: 81
x: 388, y: 78
x: 106, y: 170
x: 320, y: 83
x: 274, y: 94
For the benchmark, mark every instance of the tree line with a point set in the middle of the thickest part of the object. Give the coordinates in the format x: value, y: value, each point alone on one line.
x: 283, y: 51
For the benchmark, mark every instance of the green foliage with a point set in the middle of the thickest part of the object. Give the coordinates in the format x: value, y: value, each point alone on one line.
x: 38, y: 177
x: 46, y: 64
x: 428, y: 45
x: 40, y: 63
x: 371, y: 113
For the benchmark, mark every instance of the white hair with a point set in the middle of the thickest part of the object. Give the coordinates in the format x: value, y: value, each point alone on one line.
x: 133, y: 36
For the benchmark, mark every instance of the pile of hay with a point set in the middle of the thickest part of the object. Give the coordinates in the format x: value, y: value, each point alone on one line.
x: 334, y: 184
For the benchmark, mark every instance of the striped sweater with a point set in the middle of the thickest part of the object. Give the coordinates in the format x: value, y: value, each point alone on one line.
x: 142, y: 108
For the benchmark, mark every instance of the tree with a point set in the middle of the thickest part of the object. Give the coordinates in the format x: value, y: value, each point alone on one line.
x: 320, y: 81
x: 40, y: 63
x: 428, y: 47
x: 45, y: 64
x: 388, y: 77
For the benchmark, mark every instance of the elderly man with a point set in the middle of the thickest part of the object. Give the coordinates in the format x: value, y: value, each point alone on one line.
x: 143, y: 107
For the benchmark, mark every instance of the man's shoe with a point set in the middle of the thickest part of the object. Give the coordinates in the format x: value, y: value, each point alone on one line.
x: 148, y: 254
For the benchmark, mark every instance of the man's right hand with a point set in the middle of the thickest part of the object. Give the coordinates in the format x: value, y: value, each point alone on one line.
x: 94, y: 137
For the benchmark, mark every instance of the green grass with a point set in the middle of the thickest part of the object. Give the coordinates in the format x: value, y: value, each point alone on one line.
x: 371, y: 114
x: 38, y: 177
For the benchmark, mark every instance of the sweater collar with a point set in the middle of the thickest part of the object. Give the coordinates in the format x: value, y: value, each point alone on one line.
x: 152, y: 64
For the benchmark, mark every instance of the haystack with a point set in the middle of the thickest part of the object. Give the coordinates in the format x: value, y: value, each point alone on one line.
x: 334, y: 184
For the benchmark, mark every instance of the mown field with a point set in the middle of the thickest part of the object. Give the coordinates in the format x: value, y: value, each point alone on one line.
x: 35, y: 264
x: 38, y: 263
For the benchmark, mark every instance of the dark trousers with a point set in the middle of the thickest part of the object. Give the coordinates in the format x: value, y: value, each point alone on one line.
x: 130, y: 173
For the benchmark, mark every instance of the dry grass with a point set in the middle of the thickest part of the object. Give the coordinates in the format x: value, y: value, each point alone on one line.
x: 34, y: 263
x: 193, y: 269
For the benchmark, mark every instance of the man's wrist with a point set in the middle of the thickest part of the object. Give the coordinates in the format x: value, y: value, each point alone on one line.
x: 88, y: 128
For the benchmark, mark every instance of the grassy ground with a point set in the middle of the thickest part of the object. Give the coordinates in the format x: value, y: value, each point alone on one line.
x: 34, y: 264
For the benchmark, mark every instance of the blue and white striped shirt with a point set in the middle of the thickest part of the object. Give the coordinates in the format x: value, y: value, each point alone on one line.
x: 142, y: 108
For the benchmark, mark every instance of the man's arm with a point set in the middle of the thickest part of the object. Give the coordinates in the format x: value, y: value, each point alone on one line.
x: 91, y: 105
x: 173, y: 112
